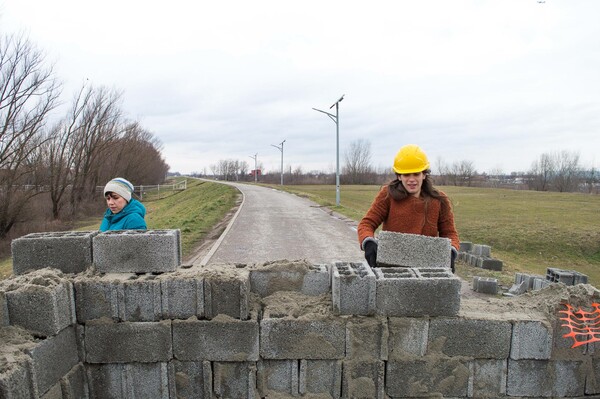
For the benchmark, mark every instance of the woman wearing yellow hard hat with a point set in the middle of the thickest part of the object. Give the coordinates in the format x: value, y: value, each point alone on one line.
x: 409, y: 204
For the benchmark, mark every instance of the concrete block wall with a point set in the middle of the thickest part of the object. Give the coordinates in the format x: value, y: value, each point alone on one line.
x: 479, y: 255
x: 155, y: 350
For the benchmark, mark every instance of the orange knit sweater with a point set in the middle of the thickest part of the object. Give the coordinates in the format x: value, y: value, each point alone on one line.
x: 424, y: 215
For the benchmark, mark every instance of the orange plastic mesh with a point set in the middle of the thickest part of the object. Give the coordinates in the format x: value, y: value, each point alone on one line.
x: 584, y: 326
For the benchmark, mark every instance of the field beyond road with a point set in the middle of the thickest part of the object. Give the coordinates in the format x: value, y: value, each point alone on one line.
x: 528, y: 230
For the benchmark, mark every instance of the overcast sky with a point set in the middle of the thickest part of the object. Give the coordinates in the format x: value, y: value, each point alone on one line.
x: 495, y: 82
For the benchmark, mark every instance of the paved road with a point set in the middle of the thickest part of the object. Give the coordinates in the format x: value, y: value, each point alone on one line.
x: 272, y: 225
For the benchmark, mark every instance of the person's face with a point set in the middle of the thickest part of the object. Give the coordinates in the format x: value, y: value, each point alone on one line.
x: 413, y: 182
x: 115, y: 202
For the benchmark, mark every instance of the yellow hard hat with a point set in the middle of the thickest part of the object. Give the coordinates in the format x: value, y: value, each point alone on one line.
x: 410, y: 159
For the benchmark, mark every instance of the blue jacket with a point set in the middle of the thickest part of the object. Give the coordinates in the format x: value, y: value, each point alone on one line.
x: 130, y: 218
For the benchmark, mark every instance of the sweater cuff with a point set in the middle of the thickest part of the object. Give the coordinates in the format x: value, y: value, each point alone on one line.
x: 367, y: 239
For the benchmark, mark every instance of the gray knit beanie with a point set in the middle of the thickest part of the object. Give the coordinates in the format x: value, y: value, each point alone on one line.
x: 120, y: 186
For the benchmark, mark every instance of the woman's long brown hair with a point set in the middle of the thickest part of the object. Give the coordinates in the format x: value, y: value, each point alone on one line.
x: 397, y: 191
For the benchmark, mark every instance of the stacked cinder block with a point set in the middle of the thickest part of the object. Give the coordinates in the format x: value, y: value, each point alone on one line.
x: 567, y: 277
x: 137, y: 251
x: 478, y: 255
x: 70, y: 251
x: 416, y: 292
x: 412, y: 250
x: 353, y: 288
x: 485, y: 285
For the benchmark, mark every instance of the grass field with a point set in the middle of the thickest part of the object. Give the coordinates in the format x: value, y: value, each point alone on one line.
x: 529, y: 230
x: 194, y: 210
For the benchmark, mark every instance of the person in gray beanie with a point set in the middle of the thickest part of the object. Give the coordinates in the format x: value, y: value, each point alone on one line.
x: 124, y: 212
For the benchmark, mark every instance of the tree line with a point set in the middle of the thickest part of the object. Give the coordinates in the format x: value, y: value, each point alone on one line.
x: 62, y: 158
x: 554, y: 171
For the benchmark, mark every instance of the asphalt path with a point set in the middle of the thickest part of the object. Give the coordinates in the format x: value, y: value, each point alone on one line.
x: 272, y: 225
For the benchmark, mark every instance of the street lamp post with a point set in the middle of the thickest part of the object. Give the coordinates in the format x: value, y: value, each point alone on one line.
x: 255, y: 170
x: 280, y: 148
x: 336, y: 119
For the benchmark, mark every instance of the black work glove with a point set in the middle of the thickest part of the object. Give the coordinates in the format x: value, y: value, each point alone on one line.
x: 452, y: 259
x: 371, y: 253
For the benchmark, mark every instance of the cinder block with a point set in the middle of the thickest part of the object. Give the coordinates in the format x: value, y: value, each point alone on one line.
x: 144, y: 342
x: 407, y: 337
x: 480, y: 339
x: 4, y: 318
x: 489, y: 378
x: 182, y: 296
x: 367, y: 338
x: 545, y: 378
x: 411, y: 292
x: 235, y: 380
x: 137, y: 251
x: 412, y: 250
x: 465, y: 246
x: 592, y: 383
x: 55, y: 392
x: 226, y: 294
x: 518, y: 289
x: 278, y: 377
x: 41, y: 303
x: 353, y: 289
x: 302, y: 338
x: 68, y: 251
x: 123, y: 297
x: 193, y: 379
x: 363, y: 379
x: 482, y: 250
x: 53, y: 358
x: 556, y: 275
x: 320, y: 377
x: 132, y: 380
x: 16, y: 378
x: 221, y: 339
x: 562, y: 347
x: 423, y: 377
x: 491, y: 264
x: 299, y: 276
x: 74, y: 384
x: 539, y: 284
x: 485, y: 285
x: 531, y: 340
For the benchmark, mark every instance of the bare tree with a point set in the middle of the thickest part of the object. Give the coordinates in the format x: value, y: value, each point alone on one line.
x: 566, y: 177
x: 541, y: 173
x: 28, y: 92
x: 357, y: 168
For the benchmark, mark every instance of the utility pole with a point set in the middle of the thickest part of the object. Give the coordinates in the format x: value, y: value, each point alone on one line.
x: 255, y: 170
x: 336, y: 119
x: 280, y: 148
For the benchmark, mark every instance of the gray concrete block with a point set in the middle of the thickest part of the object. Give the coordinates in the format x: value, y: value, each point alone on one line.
x: 491, y: 264
x: 193, y: 380
x: 353, y: 289
x: 367, y: 338
x: 412, y: 250
x: 68, y: 251
x: 531, y: 340
x: 235, y: 380
x: 309, y: 279
x: 407, y: 337
x: 488, y: 378
x: 543, y: 378
x: 465, y: 246
x: 411, y: 292
x: 518, y: 288
x: 320, y: 377
x: 142, y: 299
x: 137, y: 251
x: 422, y: 377
x: 74, y: 384
x: 182, y: 296
x: 144, y: 342
x: 482, y: 250
x: 485, y: 285
x: 480, y: 339
x: 539, y: 284
x: 302, y: 338
x: 556, y: 275
x: 53, y: 358
x: 220, y: 339
x: 53, y: 393
x: 592, y: 383
x: 4, y: 317
x: 278, y: 377
x: 562, y: 346
x: 16, y: 378
x: 43, y: 305
x: 363, y: 379
x: 226, y: 294
x: 131, y: 381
